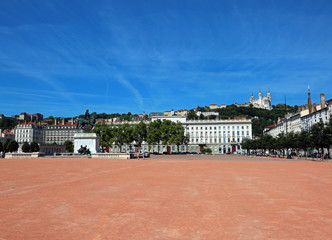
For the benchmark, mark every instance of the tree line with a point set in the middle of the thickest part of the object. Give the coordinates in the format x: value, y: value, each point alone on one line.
x: 10, y: 145
x: 157, y: 132
x: 319, y: 137
x: 33, y: 147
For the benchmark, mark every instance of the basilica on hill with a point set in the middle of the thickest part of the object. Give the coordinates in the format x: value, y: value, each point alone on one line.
x: 263, y: 102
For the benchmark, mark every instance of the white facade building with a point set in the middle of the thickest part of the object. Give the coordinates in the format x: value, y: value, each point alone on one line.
x: 43, y: 134
x: 29, y: 132
x: 221, y: 136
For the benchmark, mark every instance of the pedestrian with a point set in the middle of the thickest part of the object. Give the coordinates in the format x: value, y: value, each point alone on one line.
x: 137, y: 154
x: 143, y: 155
x: 1, y: 154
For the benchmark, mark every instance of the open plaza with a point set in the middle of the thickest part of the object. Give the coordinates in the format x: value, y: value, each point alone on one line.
x: 165, y: 197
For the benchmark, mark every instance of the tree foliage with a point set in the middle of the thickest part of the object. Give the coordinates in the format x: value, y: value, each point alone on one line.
x: 34, y: 147
x: 69, y: 146
x: 165, y: 132
x: 8, y: 123
x: 26, y: 147
x: 318, y: 137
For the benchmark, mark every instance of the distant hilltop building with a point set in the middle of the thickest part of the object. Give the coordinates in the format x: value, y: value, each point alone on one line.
x: 260, y: 102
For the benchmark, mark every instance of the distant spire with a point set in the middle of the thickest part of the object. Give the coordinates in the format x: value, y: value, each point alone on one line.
x: 309, y: 100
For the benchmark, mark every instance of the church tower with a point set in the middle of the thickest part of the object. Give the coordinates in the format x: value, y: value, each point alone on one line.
x: 309, y: 101
x: 269, y: 95
x: 252, y: 97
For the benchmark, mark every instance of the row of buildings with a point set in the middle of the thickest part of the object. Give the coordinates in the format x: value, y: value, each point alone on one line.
x: 307, y: 115
x: 25, y: 117
x: 221, y: 136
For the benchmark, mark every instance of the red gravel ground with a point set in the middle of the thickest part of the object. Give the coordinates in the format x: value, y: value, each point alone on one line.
x: 165, y: 197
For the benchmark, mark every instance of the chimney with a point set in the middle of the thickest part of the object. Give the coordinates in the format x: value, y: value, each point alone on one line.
x: 63, y: 121
x: 55, y: 121
x: 322, y: 100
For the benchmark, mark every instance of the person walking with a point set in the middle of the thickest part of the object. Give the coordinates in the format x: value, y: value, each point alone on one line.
x: 143, y: 155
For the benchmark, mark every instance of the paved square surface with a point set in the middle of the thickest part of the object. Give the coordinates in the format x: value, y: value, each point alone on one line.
x: 165, y: 197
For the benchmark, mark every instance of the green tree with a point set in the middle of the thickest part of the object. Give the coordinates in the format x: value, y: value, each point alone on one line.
x: 69, y: 146
x: 167, y: 130
x: 13, y: 146
x: 122, y: 135
x: 319, y: 136
x: 192, y: 115
x: 8, y: 145
x: 177, y: 135
x: 303, y: 141
x: 128, y: 134
x: 140, y: 133
x: 34, y: 147
x: 154, y: 133
x: 26, y: 147
x: 106, y: 133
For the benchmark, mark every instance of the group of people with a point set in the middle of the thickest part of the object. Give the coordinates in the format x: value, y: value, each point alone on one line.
x: 2, y: 154
x: 138, y: 154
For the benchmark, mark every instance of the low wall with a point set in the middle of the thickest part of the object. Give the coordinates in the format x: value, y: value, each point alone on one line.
x: 111, y: 155
x: 68, y: 155
x: 24, y: 155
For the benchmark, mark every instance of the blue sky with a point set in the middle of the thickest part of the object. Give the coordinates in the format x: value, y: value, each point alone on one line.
x: 62, y: 57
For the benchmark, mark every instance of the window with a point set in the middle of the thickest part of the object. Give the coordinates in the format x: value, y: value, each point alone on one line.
x: 238, y: 133
x: 247, y: 132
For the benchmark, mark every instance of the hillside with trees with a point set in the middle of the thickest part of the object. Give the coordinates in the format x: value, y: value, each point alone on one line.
x: 8, y: 123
